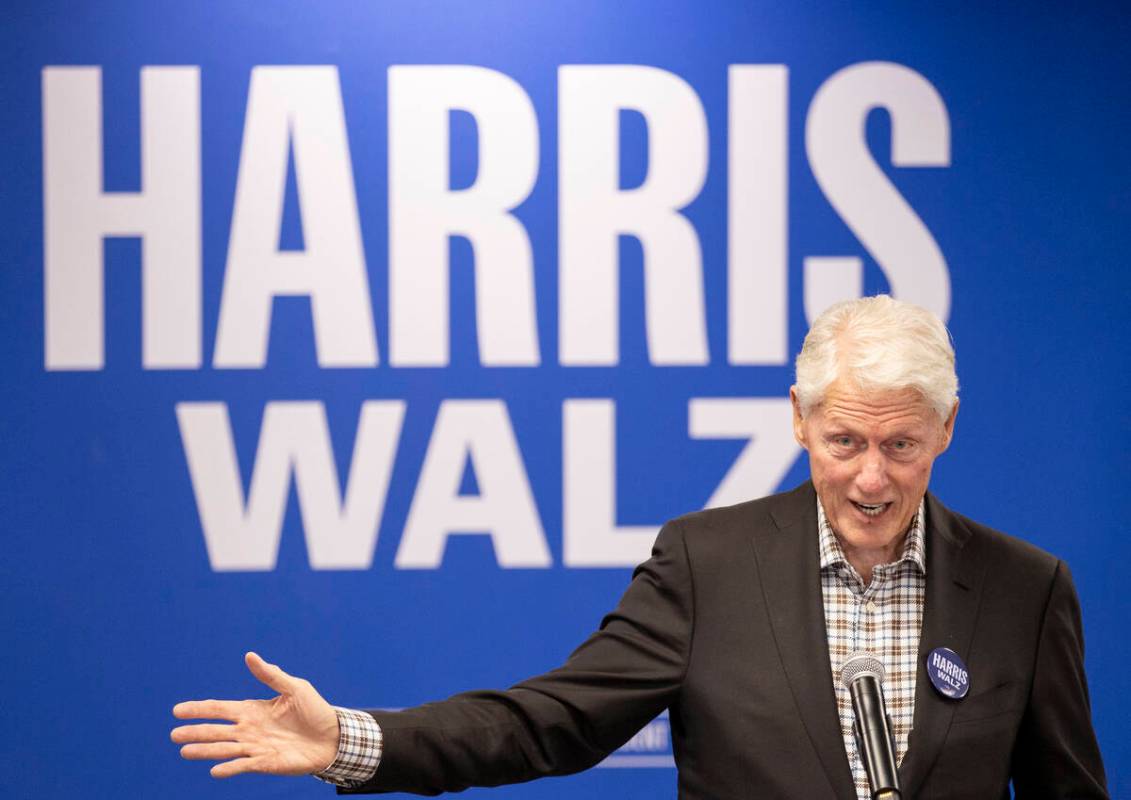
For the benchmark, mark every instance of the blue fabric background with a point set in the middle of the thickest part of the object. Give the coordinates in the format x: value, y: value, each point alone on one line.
x: 111, y: 612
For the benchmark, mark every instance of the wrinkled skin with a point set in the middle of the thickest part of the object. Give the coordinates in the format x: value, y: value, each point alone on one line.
x: 294, y: 733
x: 870, y: 457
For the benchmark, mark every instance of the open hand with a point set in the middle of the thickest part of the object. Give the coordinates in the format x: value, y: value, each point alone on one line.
x: 295, y: 733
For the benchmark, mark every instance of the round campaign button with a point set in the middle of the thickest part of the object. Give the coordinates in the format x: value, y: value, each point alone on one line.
x: 948, y: 673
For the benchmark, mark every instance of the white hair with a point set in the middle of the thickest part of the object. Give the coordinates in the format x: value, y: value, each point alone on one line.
x: 879, y: 344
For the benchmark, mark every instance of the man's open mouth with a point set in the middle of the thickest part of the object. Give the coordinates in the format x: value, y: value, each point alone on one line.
x: 871, y: 509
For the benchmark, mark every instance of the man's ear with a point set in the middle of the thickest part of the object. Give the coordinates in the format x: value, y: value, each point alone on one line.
x: 948, y: 427
x: 798, y: 422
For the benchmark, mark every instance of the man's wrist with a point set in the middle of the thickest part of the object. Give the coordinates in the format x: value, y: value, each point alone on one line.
x: 360, y: 744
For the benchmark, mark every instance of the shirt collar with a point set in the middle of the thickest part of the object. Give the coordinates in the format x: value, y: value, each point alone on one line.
x: 914, y: 550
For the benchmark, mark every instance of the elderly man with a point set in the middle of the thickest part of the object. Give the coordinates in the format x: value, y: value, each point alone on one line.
x: 740, y: 622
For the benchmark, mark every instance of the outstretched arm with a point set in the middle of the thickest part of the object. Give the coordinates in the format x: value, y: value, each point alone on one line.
x: 554, y: 724
x: 294, y: 733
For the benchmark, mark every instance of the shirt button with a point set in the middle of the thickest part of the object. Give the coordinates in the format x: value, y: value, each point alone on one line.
x: 871, y: 606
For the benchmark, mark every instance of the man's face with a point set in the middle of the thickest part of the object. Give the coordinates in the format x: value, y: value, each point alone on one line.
x: 870, y: 455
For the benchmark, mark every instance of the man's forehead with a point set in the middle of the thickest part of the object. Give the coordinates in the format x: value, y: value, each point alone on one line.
x: 847, y: 390
x: 846, y: 402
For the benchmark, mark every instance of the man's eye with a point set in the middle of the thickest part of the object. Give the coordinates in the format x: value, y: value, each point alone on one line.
x: 902, y: 445
x: 843, y: 441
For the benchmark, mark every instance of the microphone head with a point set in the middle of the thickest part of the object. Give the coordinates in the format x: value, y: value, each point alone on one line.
x: 858, y: 665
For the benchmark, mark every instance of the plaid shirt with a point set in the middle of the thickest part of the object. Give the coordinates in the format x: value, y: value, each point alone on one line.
x: 883, y: 618
x: 360, y: 743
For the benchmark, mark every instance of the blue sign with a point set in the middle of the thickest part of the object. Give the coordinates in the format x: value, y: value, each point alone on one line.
x: 355, y: 334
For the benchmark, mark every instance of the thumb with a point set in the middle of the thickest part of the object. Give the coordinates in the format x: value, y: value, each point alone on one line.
x: 269, y: 674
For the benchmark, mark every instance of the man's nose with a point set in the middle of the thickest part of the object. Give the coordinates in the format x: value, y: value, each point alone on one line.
x: 873, y: 476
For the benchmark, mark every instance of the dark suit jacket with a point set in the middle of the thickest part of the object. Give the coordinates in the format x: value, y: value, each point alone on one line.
x: 725, y: 625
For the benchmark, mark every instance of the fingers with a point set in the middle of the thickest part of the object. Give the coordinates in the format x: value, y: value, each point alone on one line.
x: 203, y: 733
x: 215, y: 751
x: 208, y: 709
x: 269, y: 674
x: 230, y: 768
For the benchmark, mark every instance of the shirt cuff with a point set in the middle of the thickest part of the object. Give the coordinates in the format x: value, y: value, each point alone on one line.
x: 360, y: 743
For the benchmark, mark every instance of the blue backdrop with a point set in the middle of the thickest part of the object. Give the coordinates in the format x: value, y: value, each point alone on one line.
x: 305, y: 187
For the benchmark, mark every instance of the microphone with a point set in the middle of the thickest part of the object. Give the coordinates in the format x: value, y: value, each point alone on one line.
x: 863, y: 675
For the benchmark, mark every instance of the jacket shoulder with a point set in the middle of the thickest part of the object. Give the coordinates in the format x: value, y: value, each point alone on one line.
x: 776, y: 510
x: 1014, y: 554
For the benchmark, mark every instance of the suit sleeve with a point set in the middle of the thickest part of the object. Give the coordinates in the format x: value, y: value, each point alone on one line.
x: 566, y: 720
x: 1056, y: 754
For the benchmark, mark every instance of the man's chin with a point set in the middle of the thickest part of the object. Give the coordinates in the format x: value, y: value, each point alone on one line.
x: 864, y: 537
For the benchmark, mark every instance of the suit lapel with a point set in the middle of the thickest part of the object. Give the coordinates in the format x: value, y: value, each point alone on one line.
x: 789, y: 571
x: 954, y: 590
